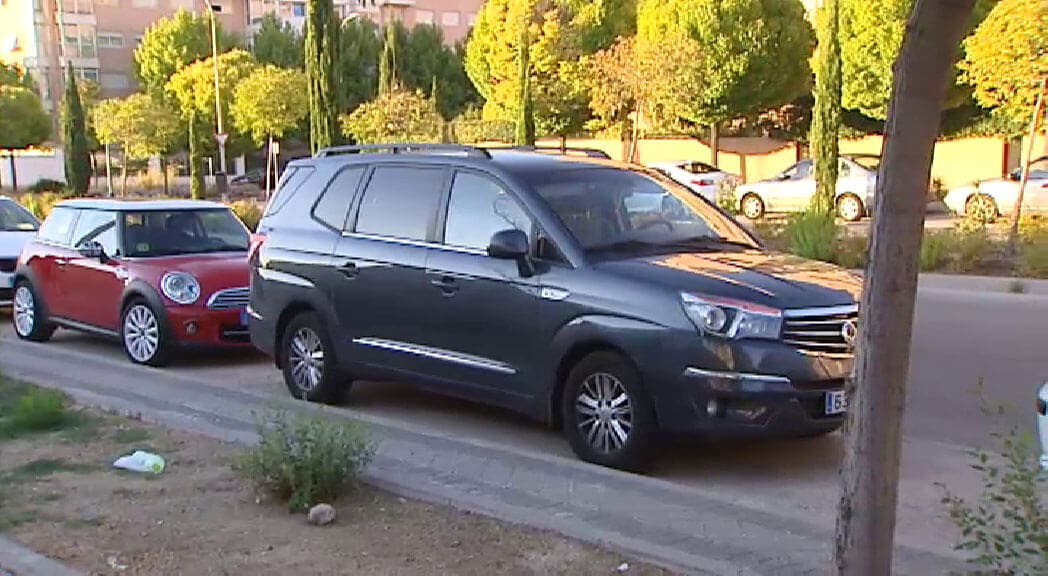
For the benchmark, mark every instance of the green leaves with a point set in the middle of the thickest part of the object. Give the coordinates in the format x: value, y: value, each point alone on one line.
x: 193, y: 87
x: 270, y: 102
x: 321, y: 53
x: 25, y: 122
x: 74, y: 136
x: 172, y: 43
x: 141, y: 123
x: 277, y: 43
x: 399, y: 116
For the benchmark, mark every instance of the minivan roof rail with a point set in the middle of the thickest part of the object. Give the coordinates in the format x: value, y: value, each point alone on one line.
x: 566, y: 150
x: 403, y: 149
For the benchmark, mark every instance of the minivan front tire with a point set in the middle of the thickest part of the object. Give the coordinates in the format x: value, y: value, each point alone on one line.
x: 608, y: 417
x: 308, y: 361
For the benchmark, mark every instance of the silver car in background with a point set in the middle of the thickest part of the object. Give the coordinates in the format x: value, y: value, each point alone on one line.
x: 17, y: 226
x: 986, y: 199
x: 699, y: 177
x: 792, y: 189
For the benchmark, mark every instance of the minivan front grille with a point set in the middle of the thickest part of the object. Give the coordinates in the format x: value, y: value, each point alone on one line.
x: 8, y: 264
x: 229, y: 299
x: 831, y: 330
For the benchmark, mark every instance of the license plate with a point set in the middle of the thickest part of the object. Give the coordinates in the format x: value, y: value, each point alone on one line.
x: 836, y: 403
x: 244, y: 317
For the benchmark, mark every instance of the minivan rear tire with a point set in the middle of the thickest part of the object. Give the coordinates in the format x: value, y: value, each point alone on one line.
x: 594, y: 418
x: 308, y: 361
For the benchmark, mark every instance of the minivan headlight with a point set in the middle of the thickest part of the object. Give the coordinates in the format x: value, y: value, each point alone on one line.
x: 730, y: 318
x: 180, y: 287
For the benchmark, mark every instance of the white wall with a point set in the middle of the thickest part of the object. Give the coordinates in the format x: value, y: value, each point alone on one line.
x: 31, y: 167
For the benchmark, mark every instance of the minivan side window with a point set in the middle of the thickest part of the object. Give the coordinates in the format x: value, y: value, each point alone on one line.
x: 479, y: 207
x: 58, y: 226
x: 99, y: 226
x: 401, y: 202
x: 333, y: 206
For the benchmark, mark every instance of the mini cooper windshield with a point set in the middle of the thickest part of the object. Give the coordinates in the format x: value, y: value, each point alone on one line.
x: 168, y: 233
x: 612, y: 210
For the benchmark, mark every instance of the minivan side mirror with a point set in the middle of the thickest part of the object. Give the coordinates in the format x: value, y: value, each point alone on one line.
x: 512, y: 244
x: 92, y: 249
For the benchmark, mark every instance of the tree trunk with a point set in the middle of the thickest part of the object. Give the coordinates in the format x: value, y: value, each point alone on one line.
x: 109, y: 173
x: 870, y: 470
x: 14, y: 172
x: 715, y: 144
x: 163, y: 167
x: 123, y: 173
x: 635, y: 136
x: 1017, y: 209
x: 269, y: 164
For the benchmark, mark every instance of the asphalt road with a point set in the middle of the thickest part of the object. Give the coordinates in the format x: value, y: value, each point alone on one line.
x: 961, y: 337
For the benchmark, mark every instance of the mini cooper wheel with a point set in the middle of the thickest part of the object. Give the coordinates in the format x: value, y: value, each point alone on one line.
x: 850, y: 208
x: 27, y: 311
x: 752, y: 206
x: 144, y: 335
x: 607, y: 416
x: 310, y: 370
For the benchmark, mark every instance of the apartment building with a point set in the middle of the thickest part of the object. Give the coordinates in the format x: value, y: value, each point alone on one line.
x: 455, y: 17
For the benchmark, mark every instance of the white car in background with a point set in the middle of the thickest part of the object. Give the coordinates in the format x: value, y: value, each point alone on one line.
x: 701, y: 178
x: 792, y: 189
x: 1042, y: 423
x: 17, y: 226
x: 988, y: 198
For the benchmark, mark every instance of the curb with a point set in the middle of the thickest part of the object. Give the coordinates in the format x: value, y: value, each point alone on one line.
x: 17, y: 560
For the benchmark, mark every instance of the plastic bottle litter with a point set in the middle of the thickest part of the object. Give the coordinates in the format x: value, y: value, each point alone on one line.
x: 141, y: 461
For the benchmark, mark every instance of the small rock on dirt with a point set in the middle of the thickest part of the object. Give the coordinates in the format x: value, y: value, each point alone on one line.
x: 623, y: 568
x: 321, y: 515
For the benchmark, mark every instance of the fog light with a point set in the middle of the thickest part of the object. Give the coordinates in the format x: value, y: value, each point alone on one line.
x: 713, y: 408
x: 191, y: 328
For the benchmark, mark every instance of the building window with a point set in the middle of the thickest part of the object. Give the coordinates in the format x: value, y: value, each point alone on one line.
x: 423, y: 16
x: 107, y: 2
x: 115, y: 81
x: 449, y: 18
x: 298, y: 10
x: 88, y: 74
x: 185, y: 4
x: 110, y: 40
x: 471, y: 18
x: 144, y: 3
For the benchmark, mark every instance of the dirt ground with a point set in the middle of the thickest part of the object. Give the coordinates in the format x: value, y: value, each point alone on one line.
x: 59, y: 496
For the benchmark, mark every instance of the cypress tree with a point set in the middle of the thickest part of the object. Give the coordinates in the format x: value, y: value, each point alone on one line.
x: 74, y: 136
x: 826, y: 117
x: 322, y: 26
x: 387, y: 66
x: 525, y: 134
x: 196, y: 153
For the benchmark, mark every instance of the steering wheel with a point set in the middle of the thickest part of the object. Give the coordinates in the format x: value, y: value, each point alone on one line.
x: 655, y: 222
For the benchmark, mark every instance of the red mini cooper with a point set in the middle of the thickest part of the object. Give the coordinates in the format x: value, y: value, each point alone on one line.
x: 159, y: 275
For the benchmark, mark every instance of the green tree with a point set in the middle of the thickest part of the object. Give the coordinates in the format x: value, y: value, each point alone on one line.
x: 826, y: 117
x: 752, y: 55
x: 388, y: 72
x: 424, y: 57
x: 321, y: 54
x: 25, y: 121
x: 268, y: 104
x: 358, y: 55
x: 172, y: 43
x: 77, y: 156
x: 400, y: 116
x: 559, y: 32
x: 15, y: 75
x: 525, y: 134
x: 142, y: 125
x: 277, y: 43
x: 1006, y: 57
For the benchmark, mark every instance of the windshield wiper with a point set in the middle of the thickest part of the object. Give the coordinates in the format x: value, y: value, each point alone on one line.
x: 707, y: 240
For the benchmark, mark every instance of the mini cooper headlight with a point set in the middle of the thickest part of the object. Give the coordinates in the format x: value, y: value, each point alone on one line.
x: 180, y: 287
x: 732, y: 318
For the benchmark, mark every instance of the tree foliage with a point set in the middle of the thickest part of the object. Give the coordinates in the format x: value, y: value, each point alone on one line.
x: 358, y: 54
x: 277, y: 43
x: 142, y: 124
x: 1006, y: 57
x: 752, y: 54
x: 559, y: 32
x: 270, y: 103
x: 826, y: 119
x: 321, y: 55
x: 425, y: 57
x: 15, y: 75
x: 25, y: 121
x: 172, y: 43
x: 193, y: 87
x: 77, y: 156
x: 400, y: 116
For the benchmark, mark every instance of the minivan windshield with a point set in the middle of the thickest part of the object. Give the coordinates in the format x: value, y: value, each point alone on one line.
x: 611, y: 209
x: 172, y: 232
x: 14, y: 218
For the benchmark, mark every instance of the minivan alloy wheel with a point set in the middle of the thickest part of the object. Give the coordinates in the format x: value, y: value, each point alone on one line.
x: 604, y: 412
x: 306, y: 359
x: 141, y: 333
x: 24, y: 311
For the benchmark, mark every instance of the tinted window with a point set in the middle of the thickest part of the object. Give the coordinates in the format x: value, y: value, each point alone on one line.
x: 800, y: 171
x: 170, y: 232
x: 479, y: 208
x: 97, y: 226
x: 289, y: 183
x: 401, y: 202
x: 699, y: 168
x: 334, y: 204
x: 15, y: 218
x: 58, y: 226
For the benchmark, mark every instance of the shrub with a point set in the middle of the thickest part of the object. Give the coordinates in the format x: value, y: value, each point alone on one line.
x: 40, y: 204
x: 37, y: 410
x: 935, y: 248
x: 399, y: 116
x: 963, y: 249
x: 1033, y: 258
x: 306, y: 460
x: 812, y: 235
x: 249, y: 212
x: 852, y: 250
x: 726, y: 199
x: 47, y: 185
x: 471, y: 127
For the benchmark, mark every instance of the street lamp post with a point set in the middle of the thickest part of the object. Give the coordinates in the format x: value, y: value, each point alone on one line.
x: 220, y: 134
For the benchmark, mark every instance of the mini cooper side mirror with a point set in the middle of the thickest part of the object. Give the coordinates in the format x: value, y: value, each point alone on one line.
x: 92, y: 249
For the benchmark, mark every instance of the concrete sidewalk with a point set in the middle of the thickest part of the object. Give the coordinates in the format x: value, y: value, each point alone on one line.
x: 17, y: 560
x: 692, y: 530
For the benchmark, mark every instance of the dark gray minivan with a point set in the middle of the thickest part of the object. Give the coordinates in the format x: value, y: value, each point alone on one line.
x: 599, y: 297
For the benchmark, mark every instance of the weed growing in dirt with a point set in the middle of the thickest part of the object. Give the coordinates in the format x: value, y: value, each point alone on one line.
x: 812, y: 235
x: 1017, y: 287
x: 36, y: 410
x: 306, y: 460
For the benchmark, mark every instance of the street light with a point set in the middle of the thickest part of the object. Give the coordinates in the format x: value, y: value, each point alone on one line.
x: 220, y: 135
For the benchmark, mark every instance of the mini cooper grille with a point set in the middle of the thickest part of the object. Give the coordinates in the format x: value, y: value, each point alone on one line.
x: 8, y: 264
x: 828, y: 330
x: 229, y: 299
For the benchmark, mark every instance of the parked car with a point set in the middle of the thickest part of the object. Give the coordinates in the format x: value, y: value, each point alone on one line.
x: 701, y: 178
x: 1042, y: 423
x: 254, y: 176
x: 988, y: 198
x: 793, y: 189
x: 17, y: 226
x: 158, y: 275
x: 597, y: 296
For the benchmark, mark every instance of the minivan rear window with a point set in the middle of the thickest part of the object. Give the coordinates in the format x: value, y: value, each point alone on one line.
x: 401, y: 202
x: 290, y: 182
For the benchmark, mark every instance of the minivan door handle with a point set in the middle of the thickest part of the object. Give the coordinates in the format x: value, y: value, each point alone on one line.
x: 349, y: 270
x: 447, y: 284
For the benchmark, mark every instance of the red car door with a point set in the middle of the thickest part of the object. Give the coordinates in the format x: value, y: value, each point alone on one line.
x: 93, y: 284
x: 51, y: 256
